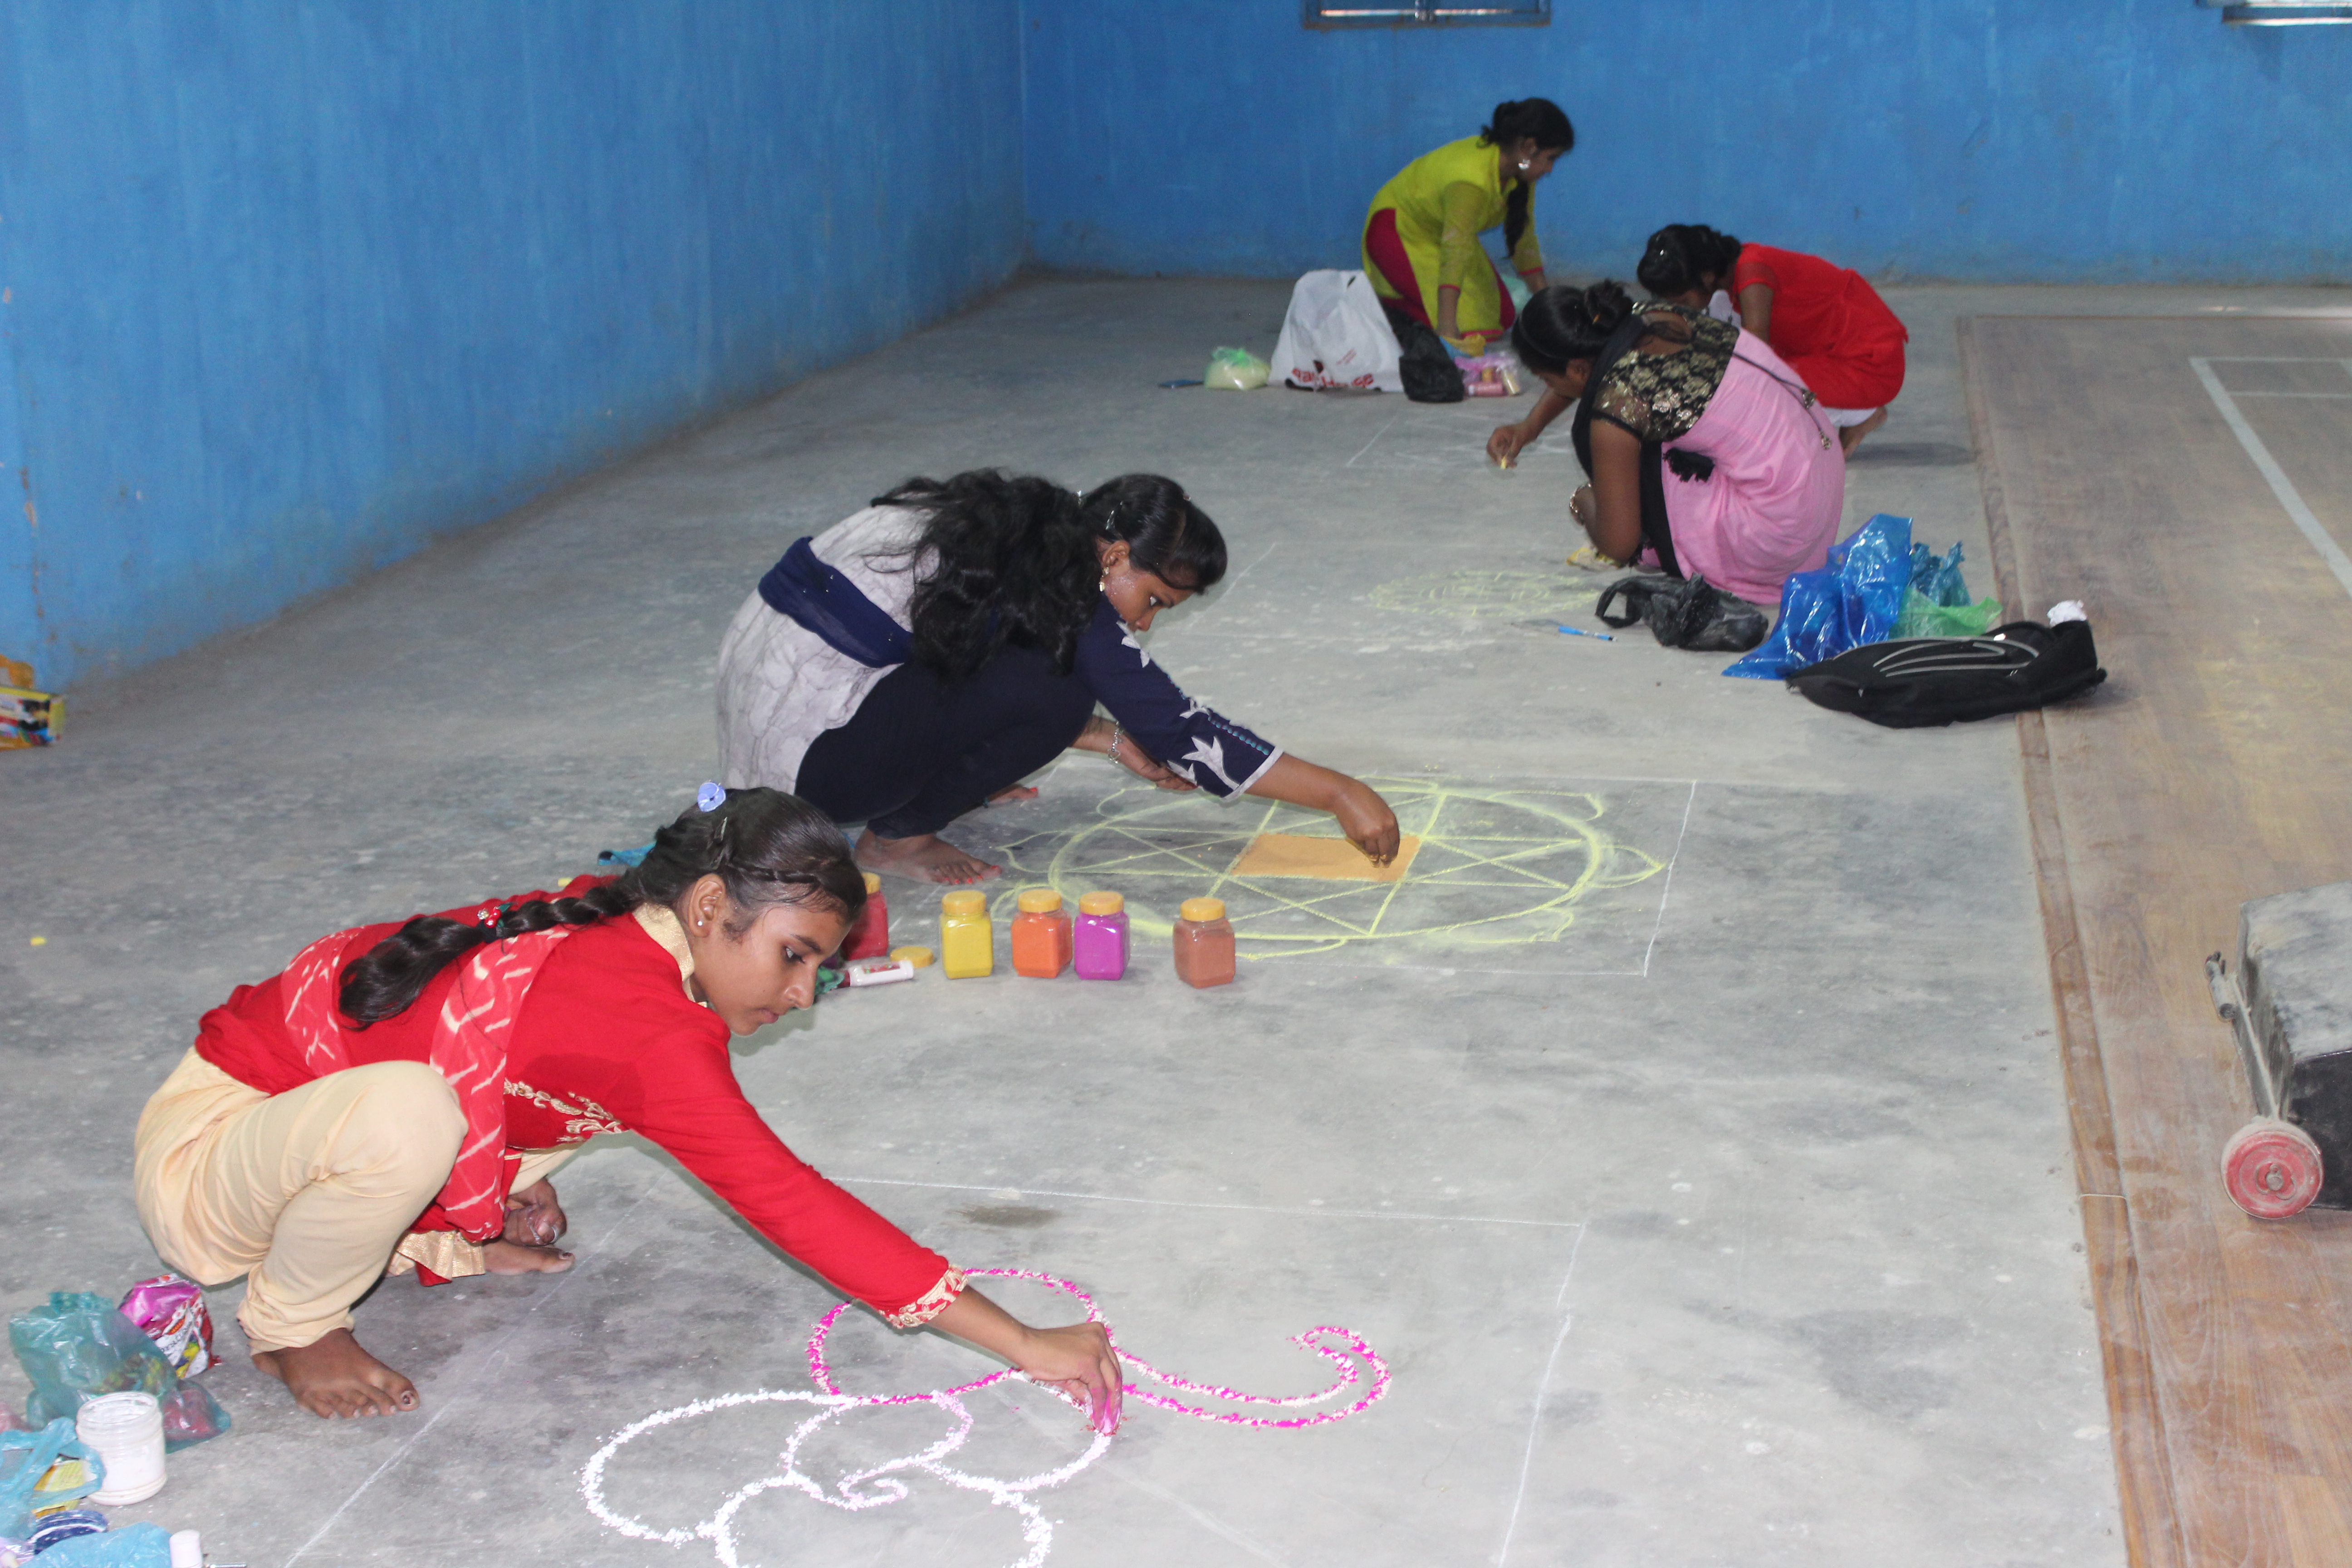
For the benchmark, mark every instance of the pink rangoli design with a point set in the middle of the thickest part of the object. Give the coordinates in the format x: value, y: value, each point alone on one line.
x: 879, y: 1485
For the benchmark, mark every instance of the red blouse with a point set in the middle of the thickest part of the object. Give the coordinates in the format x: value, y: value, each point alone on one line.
x: 607, y: 1041
x: 1818, y: 307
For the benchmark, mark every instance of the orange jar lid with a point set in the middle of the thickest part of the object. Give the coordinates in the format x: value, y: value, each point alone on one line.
x: 872, y: 884
x: 964, y: 901
x: 1039, y: 902
x: 1203, y: 909
x: 1101, y: 903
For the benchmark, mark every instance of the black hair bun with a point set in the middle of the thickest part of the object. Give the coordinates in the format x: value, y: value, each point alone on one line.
x: 1607, y: 304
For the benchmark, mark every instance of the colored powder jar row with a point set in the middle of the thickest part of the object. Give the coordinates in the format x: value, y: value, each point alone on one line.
x: 1046, y: 941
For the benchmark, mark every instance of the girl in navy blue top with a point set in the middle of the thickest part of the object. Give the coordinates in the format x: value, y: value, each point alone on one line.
x: 919, y: 658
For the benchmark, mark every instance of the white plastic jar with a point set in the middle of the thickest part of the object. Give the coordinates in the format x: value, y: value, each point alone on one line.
x: 125, y: 1431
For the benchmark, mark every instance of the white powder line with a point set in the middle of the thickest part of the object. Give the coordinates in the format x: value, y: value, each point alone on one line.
x: 1668, y: 891
x: 2281, y: 486
x: 1375, y: 440
x: 1205, y: 1520
x: 488, y: 1357
x: 1575, y: 1224
x: 1321, y: 962
x: 1534, y: 1417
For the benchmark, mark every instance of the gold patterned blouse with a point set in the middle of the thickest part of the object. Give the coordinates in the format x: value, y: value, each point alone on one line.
x: 1659, y: 396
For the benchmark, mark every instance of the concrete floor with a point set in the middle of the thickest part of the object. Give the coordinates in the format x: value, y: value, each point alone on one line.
x: 1723, y: 1221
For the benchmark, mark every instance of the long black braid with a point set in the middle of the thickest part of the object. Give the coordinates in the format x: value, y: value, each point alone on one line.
x: 767, y: 848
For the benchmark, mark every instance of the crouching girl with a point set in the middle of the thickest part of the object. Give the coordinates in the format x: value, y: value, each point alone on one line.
x: 396, y: 1098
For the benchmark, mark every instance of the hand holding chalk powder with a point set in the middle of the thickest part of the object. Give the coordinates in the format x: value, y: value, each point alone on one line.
x: 1204, y: 943
x: 1041, y: 935
x: 1100, y: 940
x: 967, y: 938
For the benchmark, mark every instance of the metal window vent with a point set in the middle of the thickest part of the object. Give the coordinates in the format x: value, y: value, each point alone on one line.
x: 1426, y: 14
x: 2279, y: 13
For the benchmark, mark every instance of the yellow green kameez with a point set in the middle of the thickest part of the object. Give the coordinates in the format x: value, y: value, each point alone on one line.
x: 1444, y: 200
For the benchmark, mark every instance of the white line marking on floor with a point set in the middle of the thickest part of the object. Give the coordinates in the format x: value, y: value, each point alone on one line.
x: 1534, y: 1417
x: 993, y: 1188
x: 487, y: 1358
x: 2281, y: 486
x: 1668, y: 891
x: 1375, y: 440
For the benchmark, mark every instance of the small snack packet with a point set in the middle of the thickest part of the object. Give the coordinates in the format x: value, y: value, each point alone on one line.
x: 171, y: 1310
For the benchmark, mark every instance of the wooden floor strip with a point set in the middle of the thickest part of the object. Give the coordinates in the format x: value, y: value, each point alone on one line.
x: 2135, y: 1415
x: 2210, y: 770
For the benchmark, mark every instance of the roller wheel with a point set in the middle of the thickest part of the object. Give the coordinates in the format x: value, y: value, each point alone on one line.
x: 2272, y: 1169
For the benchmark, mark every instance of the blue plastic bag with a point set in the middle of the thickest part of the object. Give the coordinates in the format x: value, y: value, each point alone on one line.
x: 1854, y: 599
x: 133, y: 1546
x: 80, y: 1346
x: 25, y: 1458
x: 1937, y: 605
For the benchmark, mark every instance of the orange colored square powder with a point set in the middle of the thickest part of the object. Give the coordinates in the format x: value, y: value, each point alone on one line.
x: 1332, y: 860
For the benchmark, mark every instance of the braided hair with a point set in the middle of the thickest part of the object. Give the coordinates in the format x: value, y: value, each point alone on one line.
x: 1681, y: 256
x: 1535, y: 118
x: 1009, y: 561
x: 767, y: 848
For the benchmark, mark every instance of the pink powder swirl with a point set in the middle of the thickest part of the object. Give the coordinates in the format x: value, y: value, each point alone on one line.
x: 1340, y: 1347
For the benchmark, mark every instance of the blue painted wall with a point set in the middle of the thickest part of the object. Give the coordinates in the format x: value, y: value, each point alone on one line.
x: 292, y: 286
x: 2041, y: 139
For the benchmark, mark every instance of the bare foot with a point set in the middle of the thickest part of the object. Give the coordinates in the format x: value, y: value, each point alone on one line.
x: 1851, y: 436
x: 518, y: 1257
x: 332, y: 1376
x: 927, y: 857
x: 1018, y: 792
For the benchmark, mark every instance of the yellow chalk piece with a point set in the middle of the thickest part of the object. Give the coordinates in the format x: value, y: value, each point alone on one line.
x: 40, y: 941
x: 1332, y: 860
x: 920, y: 957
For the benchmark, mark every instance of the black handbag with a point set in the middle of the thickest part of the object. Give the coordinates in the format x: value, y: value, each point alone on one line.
x: 1691, y: 613
x: 1427, y: 367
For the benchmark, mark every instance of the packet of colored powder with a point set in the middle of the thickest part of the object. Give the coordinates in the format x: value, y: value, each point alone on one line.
x: 171, y: 1310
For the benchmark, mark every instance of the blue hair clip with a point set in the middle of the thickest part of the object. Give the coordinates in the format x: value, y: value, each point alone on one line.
x: 711, y: 796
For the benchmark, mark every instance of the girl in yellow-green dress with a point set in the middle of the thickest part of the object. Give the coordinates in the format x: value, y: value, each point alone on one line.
x: 1421, y: 241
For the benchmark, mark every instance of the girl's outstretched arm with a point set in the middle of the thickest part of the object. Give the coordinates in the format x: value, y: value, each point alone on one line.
x: 1363, y: 816
x: 1076, y: 1358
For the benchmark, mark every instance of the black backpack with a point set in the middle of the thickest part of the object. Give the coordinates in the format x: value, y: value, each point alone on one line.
x: 1921, y: 681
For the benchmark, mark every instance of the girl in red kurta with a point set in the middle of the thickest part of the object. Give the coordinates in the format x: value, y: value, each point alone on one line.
x: 1824, y: 321
x: 394, y: 1098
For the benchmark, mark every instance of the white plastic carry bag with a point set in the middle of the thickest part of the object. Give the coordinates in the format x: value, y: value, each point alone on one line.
x: 1335, y: 336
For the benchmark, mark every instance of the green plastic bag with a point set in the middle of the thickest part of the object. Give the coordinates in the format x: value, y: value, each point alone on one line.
x: 79, y: 1346
x: 1235, y: 370
x: 1923, y: 617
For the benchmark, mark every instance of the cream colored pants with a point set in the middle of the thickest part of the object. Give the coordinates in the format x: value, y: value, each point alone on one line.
x: 308, y: 1193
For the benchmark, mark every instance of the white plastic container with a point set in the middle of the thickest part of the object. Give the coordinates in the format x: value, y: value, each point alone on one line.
x: 126, y: 1431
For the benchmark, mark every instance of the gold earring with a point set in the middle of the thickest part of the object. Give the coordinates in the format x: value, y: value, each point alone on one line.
x: 1104, y: 584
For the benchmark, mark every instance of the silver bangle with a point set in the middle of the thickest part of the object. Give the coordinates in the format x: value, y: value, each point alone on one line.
x: 1113, y: 748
